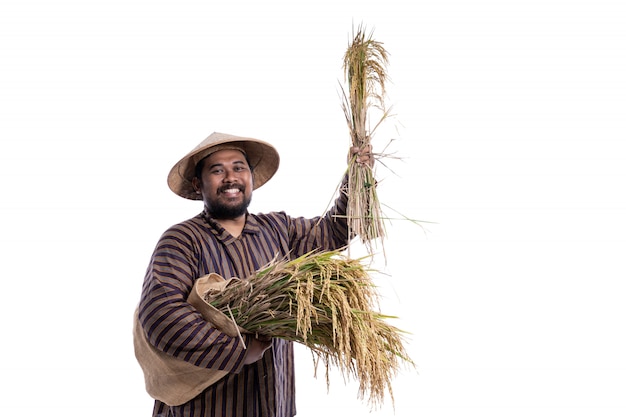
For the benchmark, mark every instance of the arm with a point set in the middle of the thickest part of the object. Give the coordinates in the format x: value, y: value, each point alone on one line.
x: 171, y: 324
x: 329, y: 232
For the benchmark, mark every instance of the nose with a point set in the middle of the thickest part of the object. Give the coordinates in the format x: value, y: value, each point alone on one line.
x: 229, y: 175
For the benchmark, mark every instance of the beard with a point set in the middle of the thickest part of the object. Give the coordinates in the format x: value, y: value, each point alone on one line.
x: 219, y: 210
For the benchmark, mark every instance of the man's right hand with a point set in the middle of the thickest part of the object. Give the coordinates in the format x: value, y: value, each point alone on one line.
x: 255, y: 350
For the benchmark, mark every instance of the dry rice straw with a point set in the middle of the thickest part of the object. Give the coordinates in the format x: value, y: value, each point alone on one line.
x: 364, y: 65
x: 328, y: 303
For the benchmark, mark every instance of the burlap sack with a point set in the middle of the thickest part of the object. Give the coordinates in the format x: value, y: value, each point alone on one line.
x: 172, y: 380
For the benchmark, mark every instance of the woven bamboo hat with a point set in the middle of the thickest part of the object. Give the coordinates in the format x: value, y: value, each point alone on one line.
x: 262, y: 156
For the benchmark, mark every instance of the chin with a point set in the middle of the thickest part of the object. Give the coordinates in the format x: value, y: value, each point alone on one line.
x: 224, y: 211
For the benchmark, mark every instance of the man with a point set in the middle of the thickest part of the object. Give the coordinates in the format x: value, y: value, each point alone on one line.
x: 226, y: 239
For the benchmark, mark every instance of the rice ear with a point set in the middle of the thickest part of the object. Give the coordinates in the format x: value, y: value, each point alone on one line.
x: 328, y: 303
x: 365, y: 72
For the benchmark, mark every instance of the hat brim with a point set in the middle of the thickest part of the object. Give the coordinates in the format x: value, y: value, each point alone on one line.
x: 263, y: 158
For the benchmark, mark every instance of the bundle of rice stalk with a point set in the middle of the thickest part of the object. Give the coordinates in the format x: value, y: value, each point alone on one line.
x: 326, y: 302
x: 364, y: 66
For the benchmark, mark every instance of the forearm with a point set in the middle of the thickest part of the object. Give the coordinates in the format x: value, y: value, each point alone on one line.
x: 170, y: 322
x: 336, y: 218
x: 327, y: 232
x: 174, y: 326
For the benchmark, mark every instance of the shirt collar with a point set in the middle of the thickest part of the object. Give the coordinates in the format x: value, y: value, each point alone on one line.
x: 251, y: 226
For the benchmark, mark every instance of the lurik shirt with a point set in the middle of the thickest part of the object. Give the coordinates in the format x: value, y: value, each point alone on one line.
x: 199, y: 246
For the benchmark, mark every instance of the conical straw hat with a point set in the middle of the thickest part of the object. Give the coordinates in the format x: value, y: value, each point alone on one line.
x: 262, y: 156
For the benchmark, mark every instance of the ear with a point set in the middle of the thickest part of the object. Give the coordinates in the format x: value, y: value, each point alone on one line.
x: 195, y: 182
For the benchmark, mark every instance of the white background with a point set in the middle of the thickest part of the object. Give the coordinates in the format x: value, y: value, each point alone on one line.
x: 510, y: 128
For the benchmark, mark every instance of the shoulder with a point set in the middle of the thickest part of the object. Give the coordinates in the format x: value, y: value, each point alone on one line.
x: 271, y: 219
x: 185, y: 230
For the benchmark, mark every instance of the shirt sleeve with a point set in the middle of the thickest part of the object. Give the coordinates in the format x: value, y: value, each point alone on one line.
x: 173, y: 325
x: 327, y: 232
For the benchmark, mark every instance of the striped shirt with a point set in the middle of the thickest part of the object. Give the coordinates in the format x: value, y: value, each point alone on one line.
x: 200, y: 246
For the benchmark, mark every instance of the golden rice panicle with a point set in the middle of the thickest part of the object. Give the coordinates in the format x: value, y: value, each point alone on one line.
x: 328, y: 303
x: 365, y: 69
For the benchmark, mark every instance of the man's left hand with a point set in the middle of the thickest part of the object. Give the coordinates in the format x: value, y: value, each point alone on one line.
x: 363, y: 155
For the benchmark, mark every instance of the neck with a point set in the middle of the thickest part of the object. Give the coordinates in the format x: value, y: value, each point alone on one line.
x: 233, y: 226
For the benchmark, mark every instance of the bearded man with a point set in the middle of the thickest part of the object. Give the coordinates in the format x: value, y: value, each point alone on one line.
x: 256, y: 377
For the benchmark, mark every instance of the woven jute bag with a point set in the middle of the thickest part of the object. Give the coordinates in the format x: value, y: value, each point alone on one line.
x: 172, y: 380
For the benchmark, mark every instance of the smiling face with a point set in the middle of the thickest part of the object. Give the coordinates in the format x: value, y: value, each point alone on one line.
x: 225, y: 182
